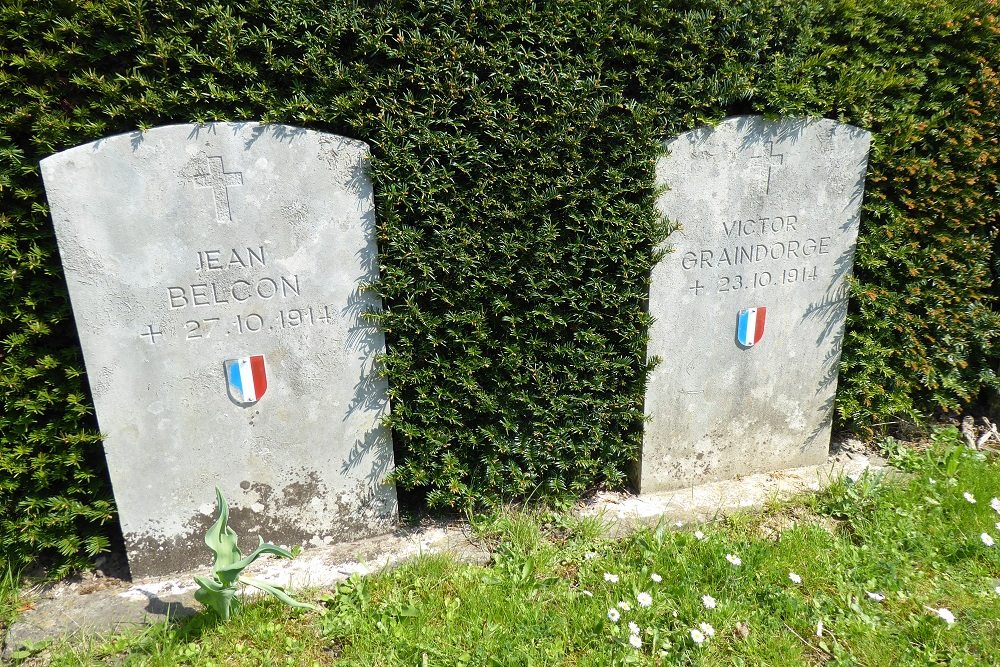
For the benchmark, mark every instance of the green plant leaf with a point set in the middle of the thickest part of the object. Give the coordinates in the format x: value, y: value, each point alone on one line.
x: 215, y: 595
x: 279, y: 593
x: 232, y: 572
x: 221, y: 539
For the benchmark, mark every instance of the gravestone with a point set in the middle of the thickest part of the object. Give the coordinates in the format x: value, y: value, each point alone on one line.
x: 217, y: 275
x: 750, y: 301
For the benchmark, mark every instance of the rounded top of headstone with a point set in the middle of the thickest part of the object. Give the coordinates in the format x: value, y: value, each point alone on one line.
x: 788, y: 130
x: 763, y: 162
x: 247, y: 134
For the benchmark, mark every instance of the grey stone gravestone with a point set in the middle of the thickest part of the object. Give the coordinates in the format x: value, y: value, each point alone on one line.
x: 217, y: 278
x: 750, y: 303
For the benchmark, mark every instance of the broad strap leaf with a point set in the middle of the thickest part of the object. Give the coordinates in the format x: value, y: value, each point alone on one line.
x: 232, y: 572
x: 278, y: 592
x: 215, y: 596
x: 221, y: 539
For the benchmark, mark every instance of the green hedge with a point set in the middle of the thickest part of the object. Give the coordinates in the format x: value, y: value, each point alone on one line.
x: 513, y: 147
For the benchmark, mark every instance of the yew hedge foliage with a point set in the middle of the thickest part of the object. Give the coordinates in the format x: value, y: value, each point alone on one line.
x: 513, y: 148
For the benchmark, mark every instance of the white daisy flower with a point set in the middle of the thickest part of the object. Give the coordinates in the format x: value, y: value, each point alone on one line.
x: 878, y: 597
x: 995, y: 504
x: 635, y: 641
x: 968, y: 496
x: 613, y: 615
x: 590, y: 555
x: 698, y: 535
x: 707, y: 629
x: 796, y: 579
x: 633, y: 628
x: 697, y: 636
x: 624, y: 606
x: 708, y: 601
x: 655, y: 577
x: 613, y: 578
x: 734, y: 559
x: 987, y: 540
x: 644, y: 599
x: 931, y: 480
x: 945, y: 614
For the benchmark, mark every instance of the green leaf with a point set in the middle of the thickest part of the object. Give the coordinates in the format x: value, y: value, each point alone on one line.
x: 221, y: 539
x: 215, y: 595
x: 232, y: 571
x: 279, y: 593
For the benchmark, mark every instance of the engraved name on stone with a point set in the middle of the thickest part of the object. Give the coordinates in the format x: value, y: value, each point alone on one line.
x: 769, y: 251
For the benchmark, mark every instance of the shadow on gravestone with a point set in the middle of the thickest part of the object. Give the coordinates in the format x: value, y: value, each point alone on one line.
x: 218, y: 280
x: 750, y: 305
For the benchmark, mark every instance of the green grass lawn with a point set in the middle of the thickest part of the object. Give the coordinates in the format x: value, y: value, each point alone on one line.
x: 860, y: 574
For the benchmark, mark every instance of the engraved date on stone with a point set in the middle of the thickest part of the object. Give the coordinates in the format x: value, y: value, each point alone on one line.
x: 760, y: 279
x: 290, y: 318
x: 200, y: 328
x: 297, y: 317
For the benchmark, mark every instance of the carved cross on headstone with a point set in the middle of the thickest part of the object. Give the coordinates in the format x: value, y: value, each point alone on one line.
x: 770, y: 155
x: 152, y: 334
x: 220, y: 181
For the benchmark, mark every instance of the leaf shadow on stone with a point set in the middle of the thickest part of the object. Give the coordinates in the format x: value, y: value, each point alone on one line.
x: 857, y: 195
x: 197, y: 129
x: 375, y: 450
x: 171, y: 611
x: 833, y: 308
x: 136, y: 139
x: 759, y: 129
x: 365, y: 336
x: 357, y: 181
x: 279, y: 132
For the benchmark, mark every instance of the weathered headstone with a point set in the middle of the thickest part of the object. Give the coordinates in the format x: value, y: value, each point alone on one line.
x: 750, y: 303
x: 217, y: 275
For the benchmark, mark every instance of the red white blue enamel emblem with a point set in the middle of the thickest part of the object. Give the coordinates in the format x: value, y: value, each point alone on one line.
x: 246, y: 379
x: 750, y: 326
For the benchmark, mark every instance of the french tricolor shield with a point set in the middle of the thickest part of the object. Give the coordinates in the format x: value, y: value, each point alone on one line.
x: 246, y: 379
x: 750, y: 326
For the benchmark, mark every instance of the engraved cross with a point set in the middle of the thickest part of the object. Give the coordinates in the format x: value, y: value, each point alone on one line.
x: 770, y: 155
x: 152, y: 334
x: 220, y: 181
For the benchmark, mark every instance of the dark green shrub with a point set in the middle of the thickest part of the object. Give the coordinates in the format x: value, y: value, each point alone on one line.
x: 513, y: 147
x: 923, y: 322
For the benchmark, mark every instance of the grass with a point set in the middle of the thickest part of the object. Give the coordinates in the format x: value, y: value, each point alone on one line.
x: 545, y: 599
x: 9, y: 597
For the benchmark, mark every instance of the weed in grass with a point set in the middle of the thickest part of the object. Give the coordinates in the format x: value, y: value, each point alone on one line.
x: 219, y: 592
